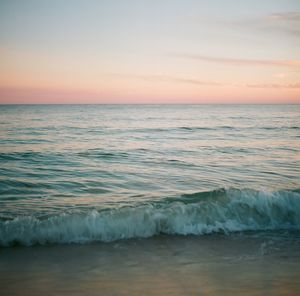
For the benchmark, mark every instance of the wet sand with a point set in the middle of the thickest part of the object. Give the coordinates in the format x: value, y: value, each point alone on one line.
x: 163, y: 265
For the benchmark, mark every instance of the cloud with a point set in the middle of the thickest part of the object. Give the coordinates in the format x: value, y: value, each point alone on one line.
x: 281, y: 22
x: 288, y: 20
x: 275, y: 85
x: 195, y: 81
x: 166, y: 78
x: 238, y: 62
x: 292, y: 16
x: 280, y: 75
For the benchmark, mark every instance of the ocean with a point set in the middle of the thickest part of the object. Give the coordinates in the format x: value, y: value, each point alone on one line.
x: 163, y: 199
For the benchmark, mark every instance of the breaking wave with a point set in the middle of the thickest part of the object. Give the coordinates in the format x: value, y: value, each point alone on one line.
x: 222, y: 210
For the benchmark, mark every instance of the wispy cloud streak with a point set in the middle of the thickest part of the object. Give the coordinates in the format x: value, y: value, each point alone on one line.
x: 281, y: 22
x: 166, y: 78
x: 237, y: 62
x: 275, y: 85
x: 288, y: 22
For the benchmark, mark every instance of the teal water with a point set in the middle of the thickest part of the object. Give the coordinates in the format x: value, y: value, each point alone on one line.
x: 84, y: 173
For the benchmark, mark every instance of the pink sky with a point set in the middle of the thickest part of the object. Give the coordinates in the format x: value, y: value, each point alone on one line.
x: 174, y: 52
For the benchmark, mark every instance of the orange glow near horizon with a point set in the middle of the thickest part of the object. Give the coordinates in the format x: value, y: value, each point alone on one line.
x: 226, y: 95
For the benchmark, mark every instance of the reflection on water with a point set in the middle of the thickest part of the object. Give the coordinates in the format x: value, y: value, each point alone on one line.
x: 54, y: 158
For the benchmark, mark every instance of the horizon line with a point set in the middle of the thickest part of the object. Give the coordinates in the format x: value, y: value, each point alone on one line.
x: 67, y: 104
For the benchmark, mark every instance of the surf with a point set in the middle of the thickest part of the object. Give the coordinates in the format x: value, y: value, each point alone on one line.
x: 216, y: 211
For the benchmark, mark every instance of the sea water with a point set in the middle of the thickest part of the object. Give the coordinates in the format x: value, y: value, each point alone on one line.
x: 101, y: 173
x: 149, y: 200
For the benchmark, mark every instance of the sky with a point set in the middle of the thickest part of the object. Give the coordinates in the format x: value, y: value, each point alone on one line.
x: 149, y: 51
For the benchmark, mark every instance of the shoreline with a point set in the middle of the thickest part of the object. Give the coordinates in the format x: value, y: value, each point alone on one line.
x: 162, y: 265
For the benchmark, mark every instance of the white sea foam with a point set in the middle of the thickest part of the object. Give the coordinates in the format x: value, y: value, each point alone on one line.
x: 200, y: 213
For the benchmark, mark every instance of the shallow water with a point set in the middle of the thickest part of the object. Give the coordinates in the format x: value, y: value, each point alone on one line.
x: 84, y: 173
x: 248, y: 264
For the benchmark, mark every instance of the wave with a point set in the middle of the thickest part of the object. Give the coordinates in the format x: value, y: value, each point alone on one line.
x: 217, y: 211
